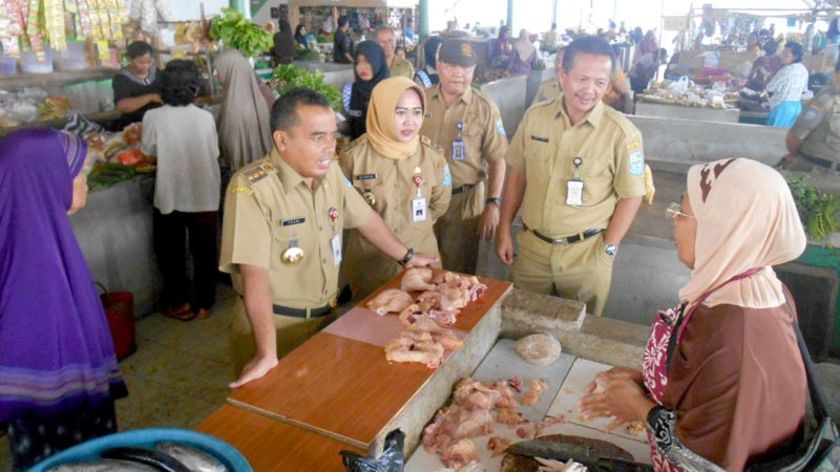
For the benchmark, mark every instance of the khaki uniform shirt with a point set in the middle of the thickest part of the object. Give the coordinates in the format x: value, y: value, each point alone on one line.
x: 483, y: 133
x: 544, y: 146
x: 819, y: 126
x: 401, y: 67
x: 549, y: 88
x: 269, y: 208
x: 390, y: 183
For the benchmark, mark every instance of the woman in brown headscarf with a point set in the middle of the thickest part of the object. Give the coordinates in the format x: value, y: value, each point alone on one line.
x: 401, y: 175
x: 244, y: 131
x: 724, y: 383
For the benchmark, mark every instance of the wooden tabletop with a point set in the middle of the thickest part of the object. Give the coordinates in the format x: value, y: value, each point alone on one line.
x: 270, y: 445
x: 339, y: 387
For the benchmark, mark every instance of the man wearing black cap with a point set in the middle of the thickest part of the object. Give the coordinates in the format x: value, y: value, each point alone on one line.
x: 468, y: 126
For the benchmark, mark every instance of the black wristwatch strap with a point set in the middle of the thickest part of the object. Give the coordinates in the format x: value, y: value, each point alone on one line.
x: 408, y: 256
x: 494, y: 200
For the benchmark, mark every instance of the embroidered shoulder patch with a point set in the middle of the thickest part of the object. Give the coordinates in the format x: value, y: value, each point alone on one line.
x: 447, y: 176
x: 500, y: 127
x: 637, y: 162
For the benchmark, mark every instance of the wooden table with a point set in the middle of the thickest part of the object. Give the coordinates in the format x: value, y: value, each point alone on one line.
x: 726, y: 115
x: 344, y: 388
x: 270, y: 445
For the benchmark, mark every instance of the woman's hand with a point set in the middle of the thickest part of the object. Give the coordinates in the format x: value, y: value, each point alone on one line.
x: 623, y: 398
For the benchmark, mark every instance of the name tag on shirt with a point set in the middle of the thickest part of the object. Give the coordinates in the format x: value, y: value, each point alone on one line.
x: 418, y: 210
x: 335, y: 242
x: 293, y: 221
x: 366, y: 177
x: 459, y: 150
x: 574, y: 193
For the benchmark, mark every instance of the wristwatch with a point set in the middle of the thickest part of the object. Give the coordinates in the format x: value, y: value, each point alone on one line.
x: 408, y: 256
x: 611, y: 249
x: 493, y: 201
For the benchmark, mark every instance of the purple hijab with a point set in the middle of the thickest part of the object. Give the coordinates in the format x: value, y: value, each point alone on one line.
x: 56, y: 351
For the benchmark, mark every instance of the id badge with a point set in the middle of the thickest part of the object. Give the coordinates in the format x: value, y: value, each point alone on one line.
x: 459, y: 150
x: 335, y: 242
x: 418, y: 210
x: 574, y: 193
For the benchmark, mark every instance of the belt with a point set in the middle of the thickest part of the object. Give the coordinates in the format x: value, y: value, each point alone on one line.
x: 305, y: 312
x: 830, y: 165
x: 568, y: 239
x: 461, y: 189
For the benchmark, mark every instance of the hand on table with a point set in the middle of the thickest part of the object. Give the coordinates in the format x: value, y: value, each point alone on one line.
x: 255, y: 369
x: 623, y: 399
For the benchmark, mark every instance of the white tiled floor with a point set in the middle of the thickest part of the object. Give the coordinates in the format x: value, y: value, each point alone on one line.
x: 178, y: 375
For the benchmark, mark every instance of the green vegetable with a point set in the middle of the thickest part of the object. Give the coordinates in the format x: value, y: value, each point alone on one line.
x: 539, y: 65
x: 288, y: 76
x: 304, y: 54
x: 236, y: 31
x: 818, y: 210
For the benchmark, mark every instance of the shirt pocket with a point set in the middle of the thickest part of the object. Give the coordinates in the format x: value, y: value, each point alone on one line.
x: 597, y: 182
x: 289, y: 233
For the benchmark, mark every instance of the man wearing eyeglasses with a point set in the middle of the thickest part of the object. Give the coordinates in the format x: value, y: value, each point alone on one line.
x: 576, y: 167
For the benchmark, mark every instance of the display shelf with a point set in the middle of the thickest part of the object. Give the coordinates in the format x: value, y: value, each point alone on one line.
x: 19, y: 81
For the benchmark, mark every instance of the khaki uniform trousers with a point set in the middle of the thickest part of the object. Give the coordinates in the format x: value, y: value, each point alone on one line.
x: 457, y: 229
x: 580, y: 271
x: 291, y: 333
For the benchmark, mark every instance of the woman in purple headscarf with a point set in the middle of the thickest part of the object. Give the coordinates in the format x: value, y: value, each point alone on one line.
x: 58, y: 373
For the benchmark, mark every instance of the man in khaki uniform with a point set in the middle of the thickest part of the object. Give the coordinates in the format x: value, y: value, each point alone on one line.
x: 281, y: 240
x: 577, y: 169
x: 468, y: 126
x: 396, y: 65
x: 550, y: 88
x: 814, y: 141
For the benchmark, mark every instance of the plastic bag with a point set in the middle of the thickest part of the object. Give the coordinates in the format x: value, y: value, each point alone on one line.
x: 539, y: 349
x: 391, y: 460
x: 680, y: 86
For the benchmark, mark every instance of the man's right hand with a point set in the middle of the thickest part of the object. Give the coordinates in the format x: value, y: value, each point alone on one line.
x: 504, y: 246
x: 154, y: 98
x: 255, y: 369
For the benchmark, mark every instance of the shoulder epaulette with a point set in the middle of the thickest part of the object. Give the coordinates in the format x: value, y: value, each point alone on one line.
x: 428, y: 142
x: 257, y: 172
x: 354, y: 144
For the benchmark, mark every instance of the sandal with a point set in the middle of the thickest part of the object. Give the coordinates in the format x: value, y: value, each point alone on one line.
x: 181, y: 313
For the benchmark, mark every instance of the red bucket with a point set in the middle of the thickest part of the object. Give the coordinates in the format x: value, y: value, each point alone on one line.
x: 119, y: 310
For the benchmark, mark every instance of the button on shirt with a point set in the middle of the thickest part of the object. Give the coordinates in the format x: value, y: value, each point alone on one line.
x: 612, y: 166
x: 483, y: 133
x: 269, y: 208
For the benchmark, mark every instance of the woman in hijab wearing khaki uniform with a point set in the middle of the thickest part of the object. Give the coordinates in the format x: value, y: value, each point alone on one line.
x: 244, y: 130
x: 401, y: 174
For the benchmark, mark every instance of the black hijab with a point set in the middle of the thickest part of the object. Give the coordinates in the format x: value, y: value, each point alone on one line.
x: 284, y: 44
x: 299, y: 37
x: 362, y: 89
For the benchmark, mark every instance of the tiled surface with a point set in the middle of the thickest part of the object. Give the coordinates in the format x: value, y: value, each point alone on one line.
x: 583, y: 371
x: 179, y: 374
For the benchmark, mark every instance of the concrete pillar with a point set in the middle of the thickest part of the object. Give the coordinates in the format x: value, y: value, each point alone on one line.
x: 242, y: 6
x: 424, y: 20
x: 510, y: 16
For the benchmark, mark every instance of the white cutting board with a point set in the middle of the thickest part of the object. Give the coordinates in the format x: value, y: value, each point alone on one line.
x: 582, y: 373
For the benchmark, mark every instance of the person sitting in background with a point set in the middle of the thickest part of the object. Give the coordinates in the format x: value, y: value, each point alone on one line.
x: 523, y: 54
x: 644, y: 70
x: 269, y: 26
x: 398, y: 66
x: 300, y: 36
x: 136, y: 89
x: 619, y: 95
x: 187, y: 185
x: 502, y: 48
x: 342, y: 44
x: 283, y: 51
x: 426, y: 75
x: 243, y: 122
x: 59, y: 376
x: 550, y: 37
x: 404, y: 167
x: 765, y: 67
x: 409, y: 30
x: 370, y: 68
x: 814, y: 141
x: 724, y: 384
x: 787, y: 87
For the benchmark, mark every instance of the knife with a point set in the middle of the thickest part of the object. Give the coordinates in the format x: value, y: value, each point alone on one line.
x: 563, y: 451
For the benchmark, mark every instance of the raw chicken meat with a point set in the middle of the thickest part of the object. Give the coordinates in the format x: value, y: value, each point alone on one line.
x: 551, y: 465
x: 497, y: 445
x: 423, y: 341
x: 416, y: 279
x: 533, y: 395
x: 534, y: 430
x: 539, y: 349
x: 509, y: 417
x: 460, y: 454
x: 636, y: 428
x: 392, y: 300
x: 410, y: 313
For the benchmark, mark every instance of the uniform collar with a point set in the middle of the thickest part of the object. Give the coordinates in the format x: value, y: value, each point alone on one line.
x: 467, y: 97
x: 288, y: 176
x: 593, y: 117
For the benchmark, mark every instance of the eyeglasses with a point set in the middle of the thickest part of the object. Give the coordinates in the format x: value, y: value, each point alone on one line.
x: 673, y: 210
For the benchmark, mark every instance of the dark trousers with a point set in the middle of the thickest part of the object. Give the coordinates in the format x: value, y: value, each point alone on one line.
x: 170, y: 234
